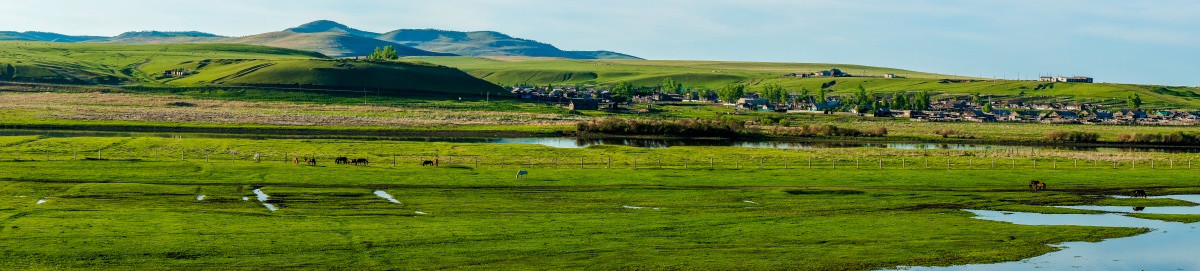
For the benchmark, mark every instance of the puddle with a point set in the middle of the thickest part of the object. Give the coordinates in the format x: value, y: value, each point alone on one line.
x: 262, y: 197
x: 385, y: 195
x: 245, y: 198
x: 200, y: 198
x: 420, y: 213
x: 637, y: 207
x: 40, y: 201
x: 1169, y: 246
x: 750, y: 202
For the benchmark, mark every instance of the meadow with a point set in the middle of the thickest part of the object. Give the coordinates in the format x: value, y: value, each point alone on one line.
x: 134, y: 203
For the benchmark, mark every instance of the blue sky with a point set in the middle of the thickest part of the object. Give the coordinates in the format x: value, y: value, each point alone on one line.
x: 1115, y: 41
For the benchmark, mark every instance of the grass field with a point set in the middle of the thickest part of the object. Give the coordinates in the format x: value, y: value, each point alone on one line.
x: 226, y: 65
x: 139, y: 210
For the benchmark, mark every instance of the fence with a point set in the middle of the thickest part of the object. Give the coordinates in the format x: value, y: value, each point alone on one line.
x: 828, y: 162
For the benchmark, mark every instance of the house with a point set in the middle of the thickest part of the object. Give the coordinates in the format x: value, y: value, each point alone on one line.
x: 1129, y: 114
x: 891, y: 75
x: 1047, y: 79
x: 1059, y: 116
x: 978, y: 116
x: 1075, y: 79
x: 175, y: 73
x: 751, y: 103
x: 583, y: 104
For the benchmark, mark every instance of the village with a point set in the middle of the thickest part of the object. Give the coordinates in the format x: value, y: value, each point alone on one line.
x: 962, y: 108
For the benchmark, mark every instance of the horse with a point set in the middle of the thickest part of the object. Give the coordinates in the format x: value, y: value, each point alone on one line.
x: 436, y: 161
x: 359, y: 161
x: 296, y: 160
x: 1139, y: 193
x: 1037, y: 185
x: 311, y: 161
x: 522, y: 173
x: 341, y: 160
x: 427, y: 163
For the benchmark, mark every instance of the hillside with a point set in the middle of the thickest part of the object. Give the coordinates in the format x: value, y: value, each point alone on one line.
x: 338, y: 40
x: 334, y: 44
x: 224, y: 64
x: 715, y: 74
x: 487, y: 43
x: 384, y: 77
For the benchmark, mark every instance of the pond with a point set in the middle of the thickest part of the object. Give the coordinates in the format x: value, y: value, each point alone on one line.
x: 1169, y: 246
x: 572, y: 142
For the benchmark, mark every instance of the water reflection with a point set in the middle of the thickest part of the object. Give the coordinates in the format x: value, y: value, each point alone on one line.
x: 1170, y: 246
x: 571, y: 142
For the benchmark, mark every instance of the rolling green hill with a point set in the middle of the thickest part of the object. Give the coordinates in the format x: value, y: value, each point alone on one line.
x: 487, y: 43
x: 335, y: 44
x: 715, y: 74
x: 224, y: 65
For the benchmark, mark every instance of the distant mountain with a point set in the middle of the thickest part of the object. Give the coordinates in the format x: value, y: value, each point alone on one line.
x: 45, y: 36
x: 330, y: 26
x: 487, y: 43
x: 337, y: 40
x: 159, y: 37
x: 334, y: 43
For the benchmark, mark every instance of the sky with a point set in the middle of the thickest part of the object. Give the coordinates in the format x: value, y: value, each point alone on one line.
x: 1147, y: 41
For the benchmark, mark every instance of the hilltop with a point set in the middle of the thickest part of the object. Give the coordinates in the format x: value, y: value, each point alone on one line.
x: 191, y: 65
x: 487, y: 43
x: 338, y: 40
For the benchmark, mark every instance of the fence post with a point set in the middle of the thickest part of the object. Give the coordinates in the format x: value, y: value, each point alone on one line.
x: 810, y: 163
x: 635, y: 163
x: 760, y: 162
x: 710, y: 163
x: 75, y: 155
x: 880, y: 163
x: 857, y: 162
x: 580, y: 163
x: 476, y: 162
x: 608, y: 162
x: 947, y: 163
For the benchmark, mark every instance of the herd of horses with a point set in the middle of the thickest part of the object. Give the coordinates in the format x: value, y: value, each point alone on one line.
x: 339, y: 161
x: 1040, y: 185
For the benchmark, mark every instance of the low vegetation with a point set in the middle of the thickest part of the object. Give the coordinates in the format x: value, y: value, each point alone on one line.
x: 686, y: 128
x: 1073, y: 137
x: 1176, y: 138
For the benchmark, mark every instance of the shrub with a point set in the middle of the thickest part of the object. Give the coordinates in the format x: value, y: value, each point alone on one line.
x: 1076, y: 137
x: 1170, y: 138
x: 695, y: 128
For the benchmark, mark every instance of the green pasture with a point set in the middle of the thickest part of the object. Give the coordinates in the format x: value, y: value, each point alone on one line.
x: 138, y: 210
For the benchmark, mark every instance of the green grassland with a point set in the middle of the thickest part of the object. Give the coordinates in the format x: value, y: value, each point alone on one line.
x: 715, y: 74
x: 138, y: 209
x: 226, y: 65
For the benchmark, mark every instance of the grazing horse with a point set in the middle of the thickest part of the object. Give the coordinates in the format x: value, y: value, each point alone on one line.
x: 296, y: 160
x: 427, y: 163
x: 311, y: 161
x: 1037, y: 185
x: 1139, y: 193
x: 341, y: 160
x: 522, y: 173
x: 359, y: 161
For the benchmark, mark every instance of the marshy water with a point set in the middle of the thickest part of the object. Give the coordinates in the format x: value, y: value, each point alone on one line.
x: 385, y: 195
x: 1169, y: 246
x: 262, y: 197
x: 573, y: 142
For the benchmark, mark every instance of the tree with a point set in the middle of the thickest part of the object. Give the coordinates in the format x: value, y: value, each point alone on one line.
x: 9, y: 72
x: 921, y: 101
x: 975, y: 99
x: 821, y: 95
x: 900, y: 100
x: 987, y: 107
x: 774, y: 93
x: 804, y: 95
x: 1134, y: 101
x: 389, y: 52
x: 731, y: 93
x: 622, y: 91
x: 671, y: 86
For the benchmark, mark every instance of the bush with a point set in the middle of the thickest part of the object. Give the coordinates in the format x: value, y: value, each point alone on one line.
x: 692, y: 128
x: 1170, y: 138
x: 945, y: 133
x: 830, y: 130
x: 1076, y: 137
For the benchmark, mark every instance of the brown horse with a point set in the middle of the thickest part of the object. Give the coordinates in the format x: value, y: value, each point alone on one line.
x: 296, y: 160
x: 1037, y: 185
x: 310, y: 161
x: 1139, y: 193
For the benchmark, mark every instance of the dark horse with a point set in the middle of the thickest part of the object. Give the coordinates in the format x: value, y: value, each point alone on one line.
x: 359, y: 162
x: 427, y: 163
x: 1037, y: 185
x: 1139, y: 193
x: 310, y: 161
x: 341, y: 160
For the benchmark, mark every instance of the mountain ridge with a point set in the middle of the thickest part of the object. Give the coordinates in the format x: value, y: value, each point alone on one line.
x: 338, y: 40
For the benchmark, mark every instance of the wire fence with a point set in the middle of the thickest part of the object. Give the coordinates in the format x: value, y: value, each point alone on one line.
x: 835, y: 162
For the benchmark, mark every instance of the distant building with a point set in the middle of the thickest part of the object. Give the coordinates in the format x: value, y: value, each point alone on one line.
x: 583, y: 104
x: 1064, y: 79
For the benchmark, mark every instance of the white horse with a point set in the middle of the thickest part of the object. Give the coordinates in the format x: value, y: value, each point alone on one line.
x: 522, y: 173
